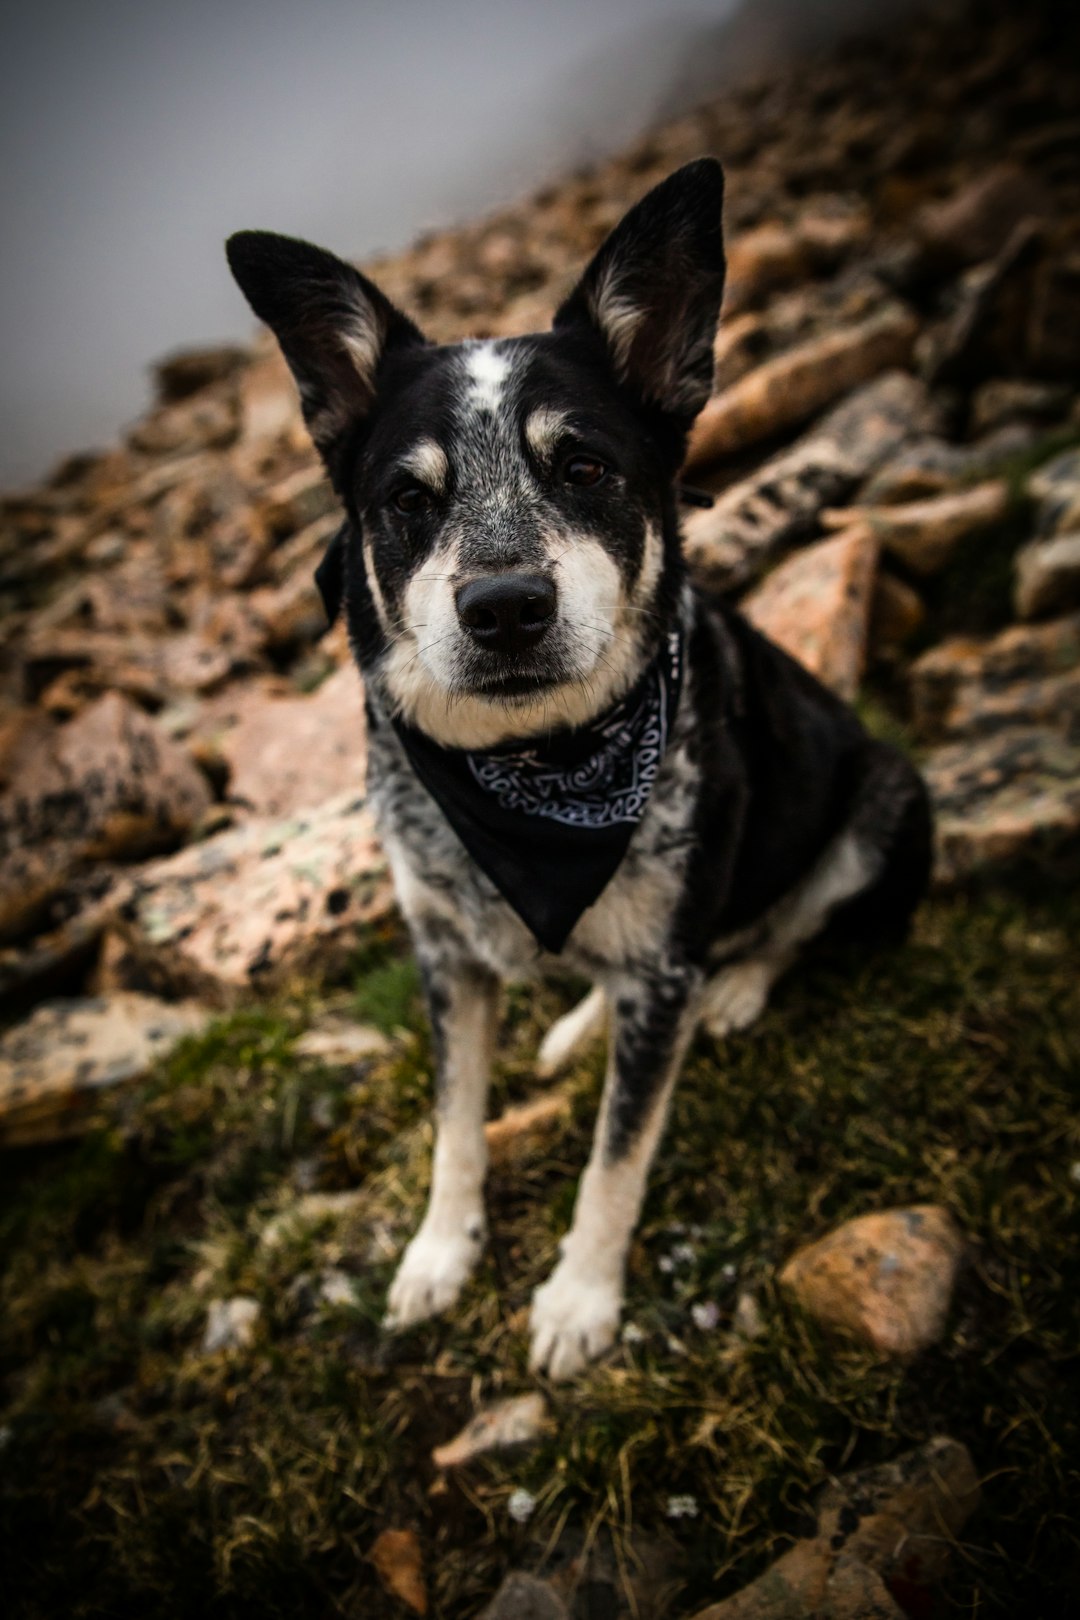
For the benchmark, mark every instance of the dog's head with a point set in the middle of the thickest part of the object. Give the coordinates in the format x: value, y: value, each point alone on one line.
x: 511, y: 558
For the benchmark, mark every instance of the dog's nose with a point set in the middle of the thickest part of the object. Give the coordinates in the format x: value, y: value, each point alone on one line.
x: 507, y: 612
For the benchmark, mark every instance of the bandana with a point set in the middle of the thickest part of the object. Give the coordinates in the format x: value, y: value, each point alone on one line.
x: 549, y: 821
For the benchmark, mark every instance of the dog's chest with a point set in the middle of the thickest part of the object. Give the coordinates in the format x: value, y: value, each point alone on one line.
x: 442, y: 889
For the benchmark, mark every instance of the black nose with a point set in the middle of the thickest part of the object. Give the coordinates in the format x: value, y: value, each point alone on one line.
x: 507, y: 612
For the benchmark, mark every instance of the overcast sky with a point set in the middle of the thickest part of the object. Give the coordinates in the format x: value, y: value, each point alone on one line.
x: 136, y: 137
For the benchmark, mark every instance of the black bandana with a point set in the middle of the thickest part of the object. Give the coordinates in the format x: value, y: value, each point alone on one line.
x: 549, y: 821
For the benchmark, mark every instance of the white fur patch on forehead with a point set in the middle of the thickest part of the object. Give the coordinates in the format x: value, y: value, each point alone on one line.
x: 487, y: 371
x: 543, y: 430
x: 427, y: 461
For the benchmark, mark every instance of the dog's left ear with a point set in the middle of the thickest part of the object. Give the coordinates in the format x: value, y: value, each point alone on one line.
x: 654, y: 288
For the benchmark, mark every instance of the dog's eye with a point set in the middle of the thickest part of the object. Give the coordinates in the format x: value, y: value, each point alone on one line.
x: 410, y: 498
x: 584, y: 472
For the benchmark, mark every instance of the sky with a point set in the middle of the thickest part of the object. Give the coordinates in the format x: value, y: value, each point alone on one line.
x: 136, y: 137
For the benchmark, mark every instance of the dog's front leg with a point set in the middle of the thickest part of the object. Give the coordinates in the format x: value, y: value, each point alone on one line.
x: 462, y: 1002
x: 575, y: 1314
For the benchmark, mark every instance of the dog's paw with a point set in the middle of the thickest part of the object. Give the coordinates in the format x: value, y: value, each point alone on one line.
x: 433, y: 1271
x: 574, y: 1319
x: 736, y: 998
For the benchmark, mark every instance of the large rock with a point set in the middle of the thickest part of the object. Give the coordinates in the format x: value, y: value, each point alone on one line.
x: 255, y: 904
x: 55, y: 1066
x: 975, y: 222
x: 816, y: 605
x: 109, y: 784
x: 1048, y: 576
x: 731, y: 543
x: 885, y: 1529
x: 1011, y: 796
x: 886, y: 1279
x: 284, y: 753
x: 924, y: 534
x: 794, y: 386
x: 955, y: 676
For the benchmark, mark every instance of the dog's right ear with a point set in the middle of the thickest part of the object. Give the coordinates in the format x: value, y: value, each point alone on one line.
x: 334, y: 327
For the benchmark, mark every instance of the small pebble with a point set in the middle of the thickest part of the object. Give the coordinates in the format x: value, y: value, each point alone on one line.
x: 521, y: 1505
x: 706, y: 1314
x: 682, y: 1507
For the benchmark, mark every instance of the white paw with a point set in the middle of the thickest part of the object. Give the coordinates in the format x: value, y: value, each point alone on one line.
x: 433, y: 1271
x: 574, y: 1319
x: 736, y: 997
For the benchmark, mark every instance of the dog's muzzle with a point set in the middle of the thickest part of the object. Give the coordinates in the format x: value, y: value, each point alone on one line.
x: 506, y: 613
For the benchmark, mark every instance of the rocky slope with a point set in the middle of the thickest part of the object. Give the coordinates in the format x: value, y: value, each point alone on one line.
x: 892, y: 444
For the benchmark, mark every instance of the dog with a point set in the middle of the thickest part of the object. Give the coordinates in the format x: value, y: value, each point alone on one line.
x: 575, y: 756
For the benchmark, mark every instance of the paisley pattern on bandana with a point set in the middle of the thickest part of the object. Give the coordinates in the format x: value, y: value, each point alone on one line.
x: 613, y: 784
x: 550, y: 821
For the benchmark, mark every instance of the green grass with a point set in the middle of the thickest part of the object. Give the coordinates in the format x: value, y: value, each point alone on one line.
x: 138, y: 1475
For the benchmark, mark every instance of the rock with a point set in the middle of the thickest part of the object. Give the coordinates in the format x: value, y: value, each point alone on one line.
x: 303, y: 498
x: 886, y: 1278
x: 892, y: 1527
x: 206, y: 421
x: 816, y: 605
x: 524, y: 1597
x: 950, y: 672
x: 188, y: 371
x: 307, y: 1211
x: 285, y: 754
x: 55, y: 1065
x: 924, y: 534
x: 512, y: 1422
x: 519, y: 1125
x: 107, y: 784
x: 335, y: 1043
x: 931, y: 466
x: 976, y: 221
x: 1014, y: 795
x: 759, y: 261
x: 396, y: 1556
x: 247, y: 908
x: 1004, y: 399
x: 230, y: 1324
x: 985, y: 330
x: 896, y: 612
x: 1055, y: 486
x: 753, y: 522
x: 794, y: 386
x: 1048, y: 576
x: 1053, y: 335
x: 740, y: 345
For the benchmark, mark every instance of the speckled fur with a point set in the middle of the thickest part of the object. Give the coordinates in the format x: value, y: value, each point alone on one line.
x: 772, y: 815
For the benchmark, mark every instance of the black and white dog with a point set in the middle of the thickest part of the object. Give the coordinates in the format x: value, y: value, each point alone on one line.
x: 573, y: 754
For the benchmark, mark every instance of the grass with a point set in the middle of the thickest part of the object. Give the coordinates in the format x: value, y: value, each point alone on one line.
x: 139, y: 1475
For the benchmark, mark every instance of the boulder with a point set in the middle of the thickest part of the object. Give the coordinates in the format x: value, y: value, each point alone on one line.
x: 896, y: 612
x: 974, y: 222
x: 1011, y: 796
x: 959, y: 669
x: 1048, y: 576
x: 886, y: 1279
x: 794, y: 386
x: 286, y: 753
x: 885, y: 1529
x: 924, y: 534
x: 731, y: 543
x: 816, y: 605
x: 55, y: 1065
x: 109, y: 784
x: 255, y: 904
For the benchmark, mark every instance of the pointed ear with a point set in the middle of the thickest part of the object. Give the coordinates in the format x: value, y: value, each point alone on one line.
x: 334, y: 327
x: 653, y: 291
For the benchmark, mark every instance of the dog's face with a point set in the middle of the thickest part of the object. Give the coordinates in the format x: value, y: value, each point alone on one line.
x: 512, y: 556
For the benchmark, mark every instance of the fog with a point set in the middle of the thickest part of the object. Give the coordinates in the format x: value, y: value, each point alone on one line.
x: 135, y: 138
